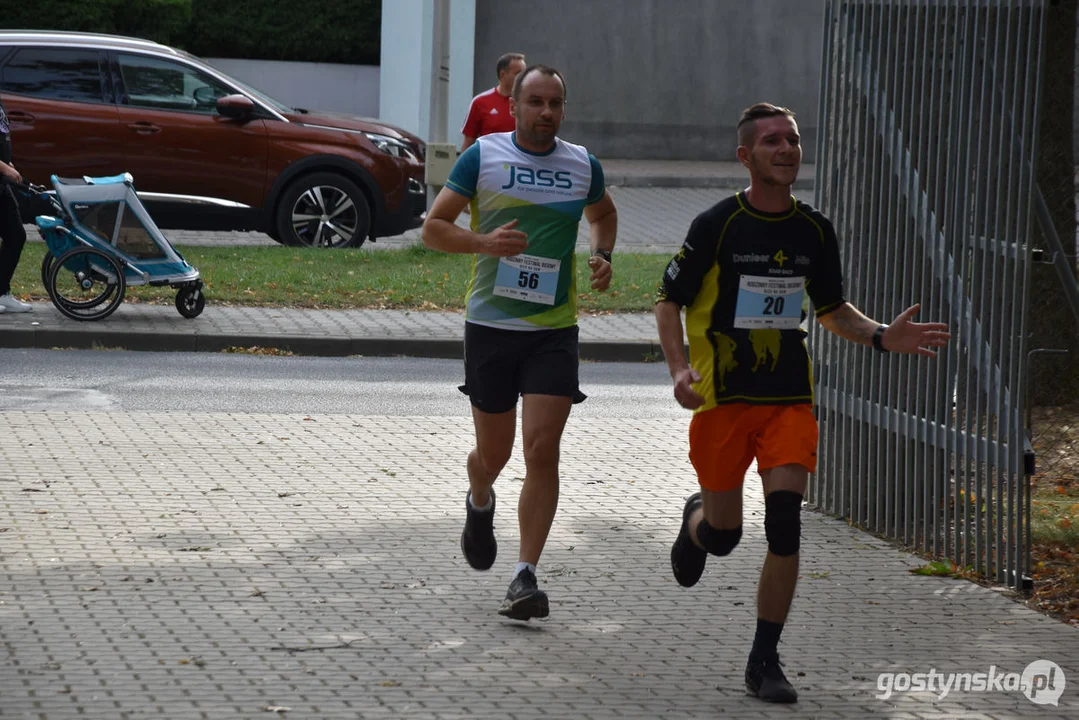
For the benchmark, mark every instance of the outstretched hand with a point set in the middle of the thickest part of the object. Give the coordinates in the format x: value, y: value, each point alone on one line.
x: 906, y: 336
x: 504, y: 241
x: 684, y: 393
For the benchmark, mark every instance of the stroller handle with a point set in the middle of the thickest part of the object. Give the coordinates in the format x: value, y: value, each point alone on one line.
x: 30, y: 188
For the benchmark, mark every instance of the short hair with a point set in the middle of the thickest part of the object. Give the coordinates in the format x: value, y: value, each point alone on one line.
x: 543, y: 69
x: 747, y: 124
x: 505, y: 60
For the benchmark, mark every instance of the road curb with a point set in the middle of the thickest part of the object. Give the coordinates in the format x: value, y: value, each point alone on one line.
x: 320, y: 346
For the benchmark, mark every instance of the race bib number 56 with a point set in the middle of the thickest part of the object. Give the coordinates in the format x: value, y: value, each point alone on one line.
x: 769, y: 302
x: 528, y: 277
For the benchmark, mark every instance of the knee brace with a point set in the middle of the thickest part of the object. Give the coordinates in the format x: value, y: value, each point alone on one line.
x: 783, y: 522
x: 717, y: 541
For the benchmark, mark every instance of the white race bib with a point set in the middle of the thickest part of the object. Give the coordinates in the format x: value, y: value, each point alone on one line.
x: 528, y: 277
x: 769, y: 302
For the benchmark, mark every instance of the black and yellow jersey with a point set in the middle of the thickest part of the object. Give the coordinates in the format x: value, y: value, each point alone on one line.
x: 742, y: 276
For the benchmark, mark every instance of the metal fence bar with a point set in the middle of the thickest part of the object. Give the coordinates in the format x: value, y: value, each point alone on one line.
x: 1021, y: 542
x: 913, y: 479
x: 968, y: 227
x: 895, y: 272
x: 943, y: 511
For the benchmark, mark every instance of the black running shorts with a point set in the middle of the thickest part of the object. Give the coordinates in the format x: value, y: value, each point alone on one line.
x: 501, y: 365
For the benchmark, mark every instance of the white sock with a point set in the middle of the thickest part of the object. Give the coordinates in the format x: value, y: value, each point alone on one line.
x: 521, y: 566
x: 474, y: 506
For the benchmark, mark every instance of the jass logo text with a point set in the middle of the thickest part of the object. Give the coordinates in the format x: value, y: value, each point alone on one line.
x: 538, y: 178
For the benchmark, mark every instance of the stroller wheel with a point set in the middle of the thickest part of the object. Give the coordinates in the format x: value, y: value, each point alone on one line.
x: 86, y: 284
x: 190, y: 301
x: 46, y: 266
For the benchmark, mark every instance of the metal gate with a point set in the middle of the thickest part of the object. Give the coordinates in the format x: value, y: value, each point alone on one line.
x: 928, y: 125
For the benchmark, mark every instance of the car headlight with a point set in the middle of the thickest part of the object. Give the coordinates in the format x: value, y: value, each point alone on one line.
x: 392, y: 146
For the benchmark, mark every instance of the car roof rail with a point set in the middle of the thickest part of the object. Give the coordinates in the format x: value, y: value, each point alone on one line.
x: 74, y: 34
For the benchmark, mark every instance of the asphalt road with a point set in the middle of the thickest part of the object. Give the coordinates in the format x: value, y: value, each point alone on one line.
x: 109, y: 381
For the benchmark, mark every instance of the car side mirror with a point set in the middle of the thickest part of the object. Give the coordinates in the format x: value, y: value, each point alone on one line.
x: 235, y: 106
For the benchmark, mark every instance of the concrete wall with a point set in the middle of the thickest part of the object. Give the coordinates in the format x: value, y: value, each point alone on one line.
x: 462, y: 62
x: 350, y: 89
x: 406, y: 63
x: 401, y: 89
x: 663, y: 78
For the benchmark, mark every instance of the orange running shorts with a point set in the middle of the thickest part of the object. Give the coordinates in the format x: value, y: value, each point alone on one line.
x: 724, y: 441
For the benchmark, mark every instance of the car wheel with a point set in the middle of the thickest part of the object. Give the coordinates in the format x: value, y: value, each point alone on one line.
x: 323, y: 210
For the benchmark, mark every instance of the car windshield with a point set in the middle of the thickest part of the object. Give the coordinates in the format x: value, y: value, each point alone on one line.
x: 247, y: 89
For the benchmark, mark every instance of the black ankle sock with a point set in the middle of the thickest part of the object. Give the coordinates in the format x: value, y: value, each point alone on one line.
x: 766, y: 641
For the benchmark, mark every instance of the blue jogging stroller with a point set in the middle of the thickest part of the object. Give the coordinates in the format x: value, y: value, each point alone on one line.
x: 103, y: 241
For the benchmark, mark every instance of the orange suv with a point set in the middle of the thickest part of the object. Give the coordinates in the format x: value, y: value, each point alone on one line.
x: 206, y: 151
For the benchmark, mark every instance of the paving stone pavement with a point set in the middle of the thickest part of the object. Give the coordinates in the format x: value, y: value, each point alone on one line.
x: 186, y: 565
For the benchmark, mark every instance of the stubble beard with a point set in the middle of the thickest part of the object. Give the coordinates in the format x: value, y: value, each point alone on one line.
x: 539, y: 137
x: 768, y: 176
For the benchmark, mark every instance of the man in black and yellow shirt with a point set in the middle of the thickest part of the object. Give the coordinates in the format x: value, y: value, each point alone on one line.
x: 742, y: 275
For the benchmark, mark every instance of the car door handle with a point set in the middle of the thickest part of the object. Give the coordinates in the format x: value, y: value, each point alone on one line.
x: 144, y: 128
x: 20, y: 117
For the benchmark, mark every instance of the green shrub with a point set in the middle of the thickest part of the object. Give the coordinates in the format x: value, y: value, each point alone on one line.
x: 335, y: 31
x: 339, y: 31
x: 160, y: 20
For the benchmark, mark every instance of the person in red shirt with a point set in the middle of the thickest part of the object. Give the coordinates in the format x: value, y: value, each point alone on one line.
x: 490, y: 111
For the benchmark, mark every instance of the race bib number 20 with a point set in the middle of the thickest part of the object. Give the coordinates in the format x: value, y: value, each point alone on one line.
x: 529, y: 278
x: 769, y: 302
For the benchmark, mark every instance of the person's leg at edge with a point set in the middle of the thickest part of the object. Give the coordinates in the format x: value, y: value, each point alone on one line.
x: 494, y: 444
x: 12, y: 238
x: 780, y: 573
x: 723, y: 510
x: 721, y: 450
x: 543, y: 418
x: 784, y: 488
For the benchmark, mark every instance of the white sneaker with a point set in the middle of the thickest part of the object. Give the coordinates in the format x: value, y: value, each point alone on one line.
x: 9, y: 304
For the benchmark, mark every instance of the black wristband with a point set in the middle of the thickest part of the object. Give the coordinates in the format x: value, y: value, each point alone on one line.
x: 605, y: 254
x: 878, y: 339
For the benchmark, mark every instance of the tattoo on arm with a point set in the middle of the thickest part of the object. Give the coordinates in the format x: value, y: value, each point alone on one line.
x: 850, y: 324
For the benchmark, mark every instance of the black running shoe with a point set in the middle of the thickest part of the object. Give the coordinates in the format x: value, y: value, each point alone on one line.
x: 524, y: 600
x: 478, y: 538
x: 687, y: 560
x: 765, y: 680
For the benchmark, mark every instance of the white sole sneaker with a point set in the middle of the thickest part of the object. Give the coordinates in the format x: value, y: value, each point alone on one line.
x: 11, y: 305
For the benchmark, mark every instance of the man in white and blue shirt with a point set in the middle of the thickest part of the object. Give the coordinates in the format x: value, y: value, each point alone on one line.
x: 527, y: 191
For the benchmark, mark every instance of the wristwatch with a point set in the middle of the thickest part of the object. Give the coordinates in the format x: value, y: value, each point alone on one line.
x: 605, y: 254
x: 878, y: 339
